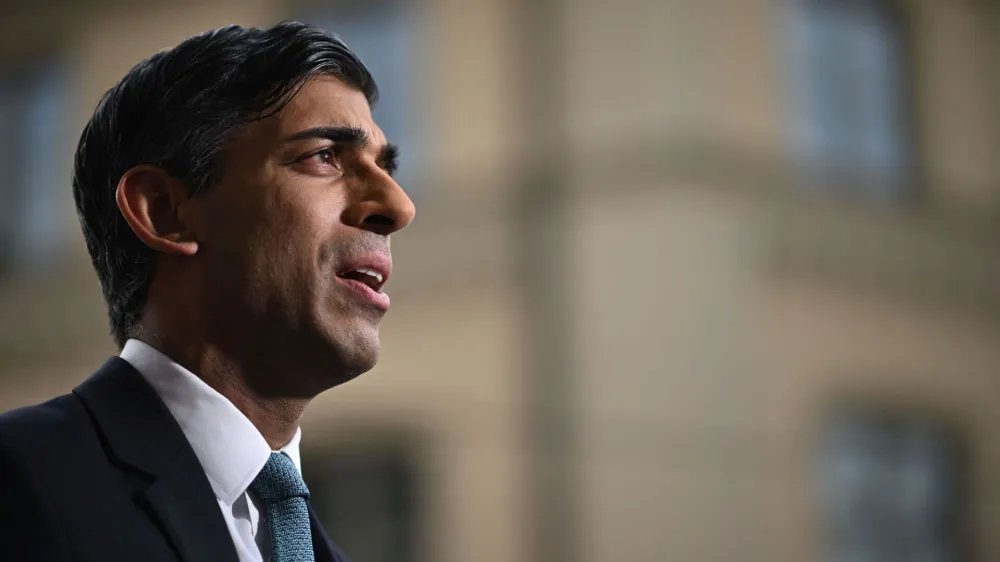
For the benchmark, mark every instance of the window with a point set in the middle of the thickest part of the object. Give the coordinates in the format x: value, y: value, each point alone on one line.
x: 850, y: 82
x: 34, y: 165
x: 383, y: 34
x: 890, y: 491
x: 367, y: 500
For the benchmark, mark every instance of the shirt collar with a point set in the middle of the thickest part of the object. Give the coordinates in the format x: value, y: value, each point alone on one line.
x: 230, y: 449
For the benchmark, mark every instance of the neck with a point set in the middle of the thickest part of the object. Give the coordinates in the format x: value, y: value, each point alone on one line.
x: 276, y: 417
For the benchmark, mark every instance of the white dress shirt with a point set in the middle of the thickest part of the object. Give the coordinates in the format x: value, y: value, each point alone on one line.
x: 230, y: 449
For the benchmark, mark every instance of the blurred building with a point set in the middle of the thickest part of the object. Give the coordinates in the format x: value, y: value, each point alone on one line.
x: 690, y: 280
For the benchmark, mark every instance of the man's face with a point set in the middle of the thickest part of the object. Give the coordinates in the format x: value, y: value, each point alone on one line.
x: 294, y: 247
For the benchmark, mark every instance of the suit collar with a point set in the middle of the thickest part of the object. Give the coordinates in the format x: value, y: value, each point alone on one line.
x: 141, y: 434
x: 137, y: 426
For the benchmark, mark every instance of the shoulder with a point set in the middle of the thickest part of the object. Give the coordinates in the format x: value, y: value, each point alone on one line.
x: 44, y: 433
x: 56, y: 419
x: 65, y: 423
x: 33, y: 441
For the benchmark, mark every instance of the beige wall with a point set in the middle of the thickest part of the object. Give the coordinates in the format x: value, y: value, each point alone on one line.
x: 825, y: 345
x: 667, y: 383
x: 705, y: 372
x: 955, y: 101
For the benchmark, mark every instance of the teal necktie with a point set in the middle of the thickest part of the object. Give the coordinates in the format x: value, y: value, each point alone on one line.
x: 284, y: 494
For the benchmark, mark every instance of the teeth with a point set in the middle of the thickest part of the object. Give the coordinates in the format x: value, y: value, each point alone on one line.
x: 371, y: 272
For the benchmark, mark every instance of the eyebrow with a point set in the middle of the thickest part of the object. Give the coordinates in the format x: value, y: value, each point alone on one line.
x: 388, y: 156
x: 341, y: 135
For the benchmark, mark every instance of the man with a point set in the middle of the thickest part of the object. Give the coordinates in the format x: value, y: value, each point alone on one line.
x: 237, y: 201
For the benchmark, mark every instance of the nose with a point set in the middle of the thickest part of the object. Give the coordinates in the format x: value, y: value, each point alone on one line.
x: 380, y: 206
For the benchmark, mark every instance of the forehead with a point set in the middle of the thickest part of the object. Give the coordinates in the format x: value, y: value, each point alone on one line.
x: 322, y: 101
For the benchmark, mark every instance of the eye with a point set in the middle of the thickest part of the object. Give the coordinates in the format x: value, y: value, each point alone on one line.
x: 329, y: 156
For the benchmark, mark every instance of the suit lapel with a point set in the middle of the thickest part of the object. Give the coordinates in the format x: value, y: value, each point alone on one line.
x: 142, y: 434
x: 194, y: 525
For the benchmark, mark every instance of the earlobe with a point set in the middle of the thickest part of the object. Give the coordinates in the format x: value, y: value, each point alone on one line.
x: 153, y: 204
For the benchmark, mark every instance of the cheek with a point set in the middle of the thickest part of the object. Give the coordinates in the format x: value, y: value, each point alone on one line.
x: 293, y: 235
x: 281, y: 243
x: 275, y: 230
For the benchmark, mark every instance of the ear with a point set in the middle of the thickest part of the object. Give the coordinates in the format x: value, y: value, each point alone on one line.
x: 156, y: 207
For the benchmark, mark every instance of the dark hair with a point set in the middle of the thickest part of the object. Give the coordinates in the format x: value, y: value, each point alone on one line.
x: 176, y: 110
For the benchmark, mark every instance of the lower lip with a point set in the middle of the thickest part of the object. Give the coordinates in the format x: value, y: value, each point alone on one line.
x: 375, y: 298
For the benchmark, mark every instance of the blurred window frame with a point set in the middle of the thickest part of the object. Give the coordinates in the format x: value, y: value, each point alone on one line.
x: 853, y: 124
x: 35, y: 164
x: 891, y: 487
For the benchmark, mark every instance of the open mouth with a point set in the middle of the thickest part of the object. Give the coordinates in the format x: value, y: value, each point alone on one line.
x: 371, y: 278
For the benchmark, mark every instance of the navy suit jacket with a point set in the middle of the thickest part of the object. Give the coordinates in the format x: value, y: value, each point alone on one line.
x: 105, y: 474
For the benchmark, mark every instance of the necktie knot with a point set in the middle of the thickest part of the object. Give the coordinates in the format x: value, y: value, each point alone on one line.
x: 279, y: 480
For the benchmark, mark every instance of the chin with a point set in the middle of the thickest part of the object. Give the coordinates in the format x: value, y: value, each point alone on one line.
x: 355, y: 353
